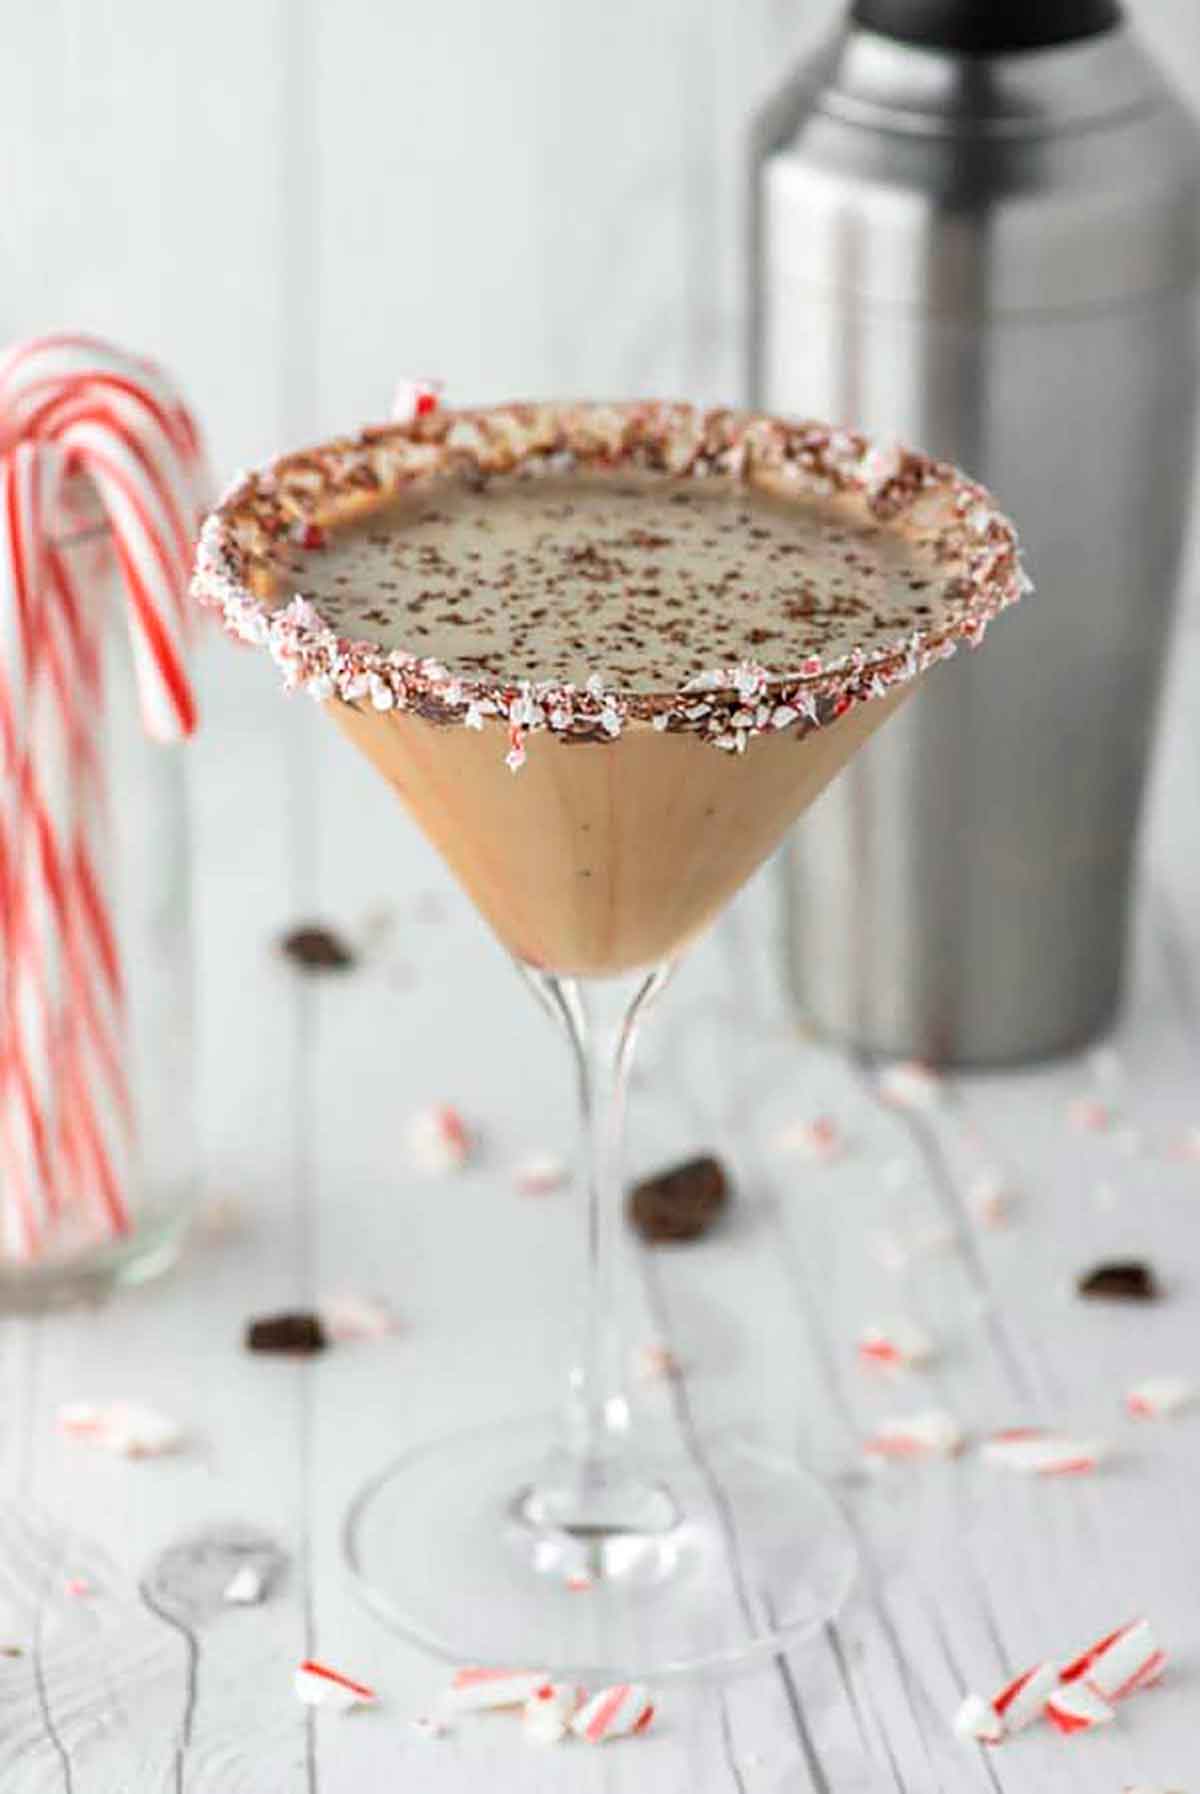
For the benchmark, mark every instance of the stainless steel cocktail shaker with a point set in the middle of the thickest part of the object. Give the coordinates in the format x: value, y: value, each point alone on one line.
x: 977, y: 228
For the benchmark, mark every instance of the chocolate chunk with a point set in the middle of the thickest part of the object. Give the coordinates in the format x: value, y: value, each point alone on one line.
x: 298, y: 1333
x: 1122, y: 1280
x: 317, y: 949
x: 680, y: 1203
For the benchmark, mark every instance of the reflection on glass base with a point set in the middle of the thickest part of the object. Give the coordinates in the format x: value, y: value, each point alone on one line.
x: 711, y: 1560
x: 93, y: 1272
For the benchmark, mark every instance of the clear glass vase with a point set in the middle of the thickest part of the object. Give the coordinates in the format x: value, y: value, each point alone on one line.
x: 104, y: 1189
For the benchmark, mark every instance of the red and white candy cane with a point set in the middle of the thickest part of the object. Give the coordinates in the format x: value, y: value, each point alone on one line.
x: 73, y: 407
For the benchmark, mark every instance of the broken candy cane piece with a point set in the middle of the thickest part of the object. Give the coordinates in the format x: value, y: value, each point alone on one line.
x: 657, y: 1364
x: 618, y: 1712
x: 539, y: 1175
x: 1089, y: 1115
x: 990, y: 1198
x: 1035, y: 1451
x: 978, y: 1719
x: 1187, y: 1147
x: 1076, y: 1707
x: 415, y: 398
x: 349, y: 1315
x: 1121, y: 1663
x: 932, y: 1433
x: 895, y: 1345
x: 911, y: 1085
x: 1159, y: 1396
x: 131, y: 1429
x: 486, y: 1690
x: 438, y: 1139
x: 319, y: 1686
x: 245, y: 1587
x: 818, y: 1141
x: 548, y: 1711
x: 1024, y: 1699
x: 897, y: 1249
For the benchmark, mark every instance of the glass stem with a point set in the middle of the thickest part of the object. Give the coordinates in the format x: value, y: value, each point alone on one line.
x: 601, y: 1018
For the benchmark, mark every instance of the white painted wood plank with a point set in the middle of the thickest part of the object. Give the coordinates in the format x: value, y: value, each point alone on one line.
x: 145, y: 150
x: 177, y: 1344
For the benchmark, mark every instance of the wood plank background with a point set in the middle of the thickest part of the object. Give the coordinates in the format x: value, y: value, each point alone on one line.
x: 291, y: 203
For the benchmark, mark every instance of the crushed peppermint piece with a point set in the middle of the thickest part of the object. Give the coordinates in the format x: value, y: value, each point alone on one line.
x: 415, y: 398
x: 474, y: 1690
x: 1089, y: 1115
x: 991, y: 1199
x: 931, y: 1433
x: 439, y: 1140
x: 1024, y: 1699
x: 820, y: 1141
x: 319, y: 1686
x: 1160, y: 1396
x: 899, y: 1344
x: 880, y: 465
x: 78, y: 1587
x: 548, y: 1712
x: 911, y: 1084
x: 977, y: 1719
x: 540, y: 1174
x: 895, y: 1345
x: 657, y: 1363
x: 129, y: 1429
x: 1036, y: 1451
x: 1120, y: 1663
x: 624, y: 1711
x: 1187, y: 1147
x: 246, y: 1587
x: 351, y: 1315
x: 1077, y: 1707
x: 898, y: 1249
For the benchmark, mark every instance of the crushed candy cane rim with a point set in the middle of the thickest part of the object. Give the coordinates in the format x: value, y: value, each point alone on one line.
x: 301, y: 495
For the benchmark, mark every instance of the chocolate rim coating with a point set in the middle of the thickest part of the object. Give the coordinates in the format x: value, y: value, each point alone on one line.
x: 237, y: 566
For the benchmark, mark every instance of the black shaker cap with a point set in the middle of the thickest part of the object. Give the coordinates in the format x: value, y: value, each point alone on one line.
x: 987, y: 27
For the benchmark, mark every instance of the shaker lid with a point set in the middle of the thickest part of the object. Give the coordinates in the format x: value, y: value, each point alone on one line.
x: 987, y: 27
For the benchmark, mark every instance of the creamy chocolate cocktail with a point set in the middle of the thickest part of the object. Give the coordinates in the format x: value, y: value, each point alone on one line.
x: 605, y: 655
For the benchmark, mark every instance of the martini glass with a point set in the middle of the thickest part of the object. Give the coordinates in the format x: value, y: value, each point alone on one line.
x: 583, y: 1543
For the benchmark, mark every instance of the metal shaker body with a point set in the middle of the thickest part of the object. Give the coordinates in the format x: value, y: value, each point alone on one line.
x: 993, y: 258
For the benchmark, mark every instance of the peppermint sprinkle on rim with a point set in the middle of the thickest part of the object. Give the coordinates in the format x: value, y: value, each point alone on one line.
x: 302, y: 495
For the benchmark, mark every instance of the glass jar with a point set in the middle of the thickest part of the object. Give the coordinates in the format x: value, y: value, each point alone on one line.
x: 113, y: 1186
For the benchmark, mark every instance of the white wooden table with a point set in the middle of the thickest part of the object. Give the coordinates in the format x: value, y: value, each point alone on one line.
x: 305, y: 1084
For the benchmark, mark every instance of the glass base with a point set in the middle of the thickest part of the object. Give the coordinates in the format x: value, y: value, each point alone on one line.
x: 93, y: 1273
x: 706, y: 1562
